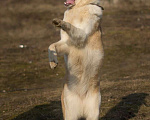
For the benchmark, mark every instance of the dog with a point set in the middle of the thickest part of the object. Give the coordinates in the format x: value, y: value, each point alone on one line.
x: 81, y: 45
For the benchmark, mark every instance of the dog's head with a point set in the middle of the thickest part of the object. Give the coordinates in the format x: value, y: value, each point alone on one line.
x: 71, y: 3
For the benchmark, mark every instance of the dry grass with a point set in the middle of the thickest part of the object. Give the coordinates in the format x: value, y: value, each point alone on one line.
x: 29, y: 90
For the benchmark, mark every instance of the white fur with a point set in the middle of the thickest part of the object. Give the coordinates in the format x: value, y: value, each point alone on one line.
x: 76, y: 107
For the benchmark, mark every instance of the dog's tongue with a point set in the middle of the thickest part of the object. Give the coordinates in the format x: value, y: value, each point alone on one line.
x: 69, y: 2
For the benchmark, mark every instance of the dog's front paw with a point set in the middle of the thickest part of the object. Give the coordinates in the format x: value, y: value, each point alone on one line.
x: 53, y: 65
x: 57, y: 22
x: 53, y: 62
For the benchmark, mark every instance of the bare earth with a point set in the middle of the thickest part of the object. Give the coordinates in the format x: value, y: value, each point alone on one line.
x: 30, y: 90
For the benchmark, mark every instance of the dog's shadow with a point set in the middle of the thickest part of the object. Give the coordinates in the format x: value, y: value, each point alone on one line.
x: 124, y: 110
x: 50, y: 111
x: 127, y: 108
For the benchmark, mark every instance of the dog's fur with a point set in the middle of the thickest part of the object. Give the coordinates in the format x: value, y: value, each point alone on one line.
x: 82, y: 48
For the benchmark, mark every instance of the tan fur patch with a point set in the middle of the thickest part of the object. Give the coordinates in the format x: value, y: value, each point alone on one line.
x: 82, y: 47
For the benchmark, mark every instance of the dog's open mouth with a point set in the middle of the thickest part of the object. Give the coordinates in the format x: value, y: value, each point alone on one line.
x: 69, y: 3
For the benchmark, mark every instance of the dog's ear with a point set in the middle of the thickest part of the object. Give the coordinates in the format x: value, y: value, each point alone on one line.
x: 97, y: 5
x: 101, y: 7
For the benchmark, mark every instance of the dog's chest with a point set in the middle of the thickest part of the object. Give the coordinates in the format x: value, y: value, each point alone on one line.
x: 76, y: 17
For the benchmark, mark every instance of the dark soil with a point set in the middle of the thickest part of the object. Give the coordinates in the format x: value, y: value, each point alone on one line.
x: 30, y: 90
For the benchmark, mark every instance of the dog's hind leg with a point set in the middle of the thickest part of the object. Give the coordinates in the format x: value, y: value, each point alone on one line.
x: 73, y: 105
x: 92, y: 106
x: 62, y: 104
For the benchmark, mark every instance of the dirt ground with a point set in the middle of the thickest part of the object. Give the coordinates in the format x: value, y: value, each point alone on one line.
x: 30, y: 90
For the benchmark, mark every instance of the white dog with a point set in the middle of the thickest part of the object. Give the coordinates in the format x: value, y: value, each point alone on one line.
x: 82, y: 48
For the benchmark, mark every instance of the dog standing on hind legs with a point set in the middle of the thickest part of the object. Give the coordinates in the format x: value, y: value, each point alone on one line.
x: 82, y: 48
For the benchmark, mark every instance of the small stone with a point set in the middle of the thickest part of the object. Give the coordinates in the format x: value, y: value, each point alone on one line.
x: 138, y: 19
x: 20, y: 46
x: 25, y: 90
x: 4, y: 91
x: 30, y: 62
